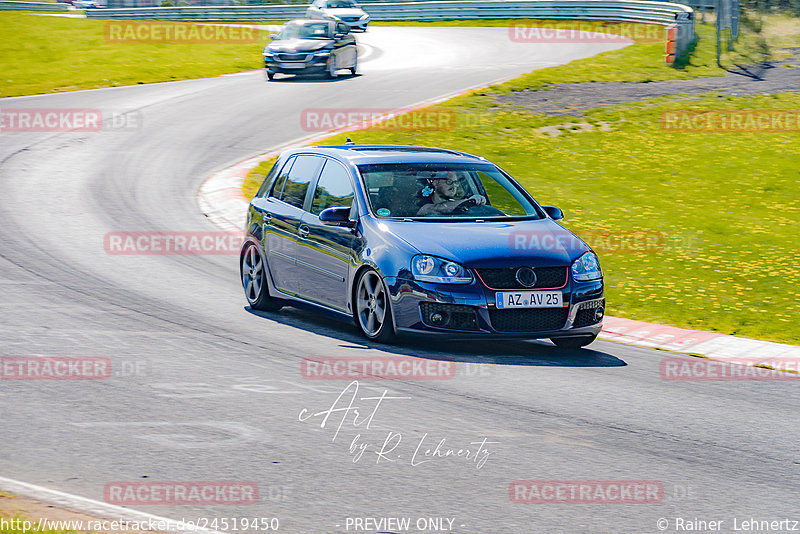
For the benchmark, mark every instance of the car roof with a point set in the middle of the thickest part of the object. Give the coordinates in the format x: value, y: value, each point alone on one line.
x: 365, y: 154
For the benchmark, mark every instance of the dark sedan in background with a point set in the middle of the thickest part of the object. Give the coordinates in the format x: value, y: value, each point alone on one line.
x: 414, y: 240
x: 311, y: 46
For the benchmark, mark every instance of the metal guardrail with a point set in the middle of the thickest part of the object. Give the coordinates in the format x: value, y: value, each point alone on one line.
x: 697, y: 4
x: 615, y: 10
x: 204, y: 13
x: 32, y: 6
x: 666, y: 13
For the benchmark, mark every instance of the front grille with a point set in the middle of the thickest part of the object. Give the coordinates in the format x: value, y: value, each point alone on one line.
x: 586, y: 313
x: 350, y: 19
x: 528, y: 320
x: 291, y: 57
x: 454, y: 316
x: 506, y: 278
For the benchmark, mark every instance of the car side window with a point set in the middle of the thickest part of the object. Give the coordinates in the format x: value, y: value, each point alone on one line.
x: 269, y: 179
x: 277, y: 189
x: 303, y: 171
x: 333, y: 189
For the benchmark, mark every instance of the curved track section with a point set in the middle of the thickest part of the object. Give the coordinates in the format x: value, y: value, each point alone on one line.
x: 202, y: 389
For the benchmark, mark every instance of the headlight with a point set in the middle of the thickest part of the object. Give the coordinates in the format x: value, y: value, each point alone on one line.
x: 432, y: 269
x: 364, y: 16
x: 586, y: 268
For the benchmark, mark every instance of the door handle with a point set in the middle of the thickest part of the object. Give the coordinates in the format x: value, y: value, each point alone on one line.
x: 303, y: 231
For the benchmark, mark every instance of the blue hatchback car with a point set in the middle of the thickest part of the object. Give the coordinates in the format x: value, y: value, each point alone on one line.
x: 417, y: 240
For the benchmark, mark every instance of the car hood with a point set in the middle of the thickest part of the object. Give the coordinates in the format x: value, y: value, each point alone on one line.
x: 298, y: 45
x: 541, y: 243
x: 345, y: 12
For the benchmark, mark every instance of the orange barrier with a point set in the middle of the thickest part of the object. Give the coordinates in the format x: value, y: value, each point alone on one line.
x: 672, y: 35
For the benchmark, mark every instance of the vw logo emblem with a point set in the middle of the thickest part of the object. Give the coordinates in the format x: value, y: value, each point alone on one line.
x: 526, y: 277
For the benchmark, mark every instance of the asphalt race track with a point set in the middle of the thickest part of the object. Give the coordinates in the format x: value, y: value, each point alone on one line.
x: 205, y: 390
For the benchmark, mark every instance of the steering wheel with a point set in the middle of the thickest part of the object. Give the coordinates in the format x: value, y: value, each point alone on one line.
x: 464, y: 207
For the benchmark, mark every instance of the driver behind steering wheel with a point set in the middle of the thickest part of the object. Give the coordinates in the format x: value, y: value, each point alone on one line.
x: 439, y: 193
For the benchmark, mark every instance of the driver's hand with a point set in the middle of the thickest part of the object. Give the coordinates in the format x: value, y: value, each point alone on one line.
x: 479, y: 200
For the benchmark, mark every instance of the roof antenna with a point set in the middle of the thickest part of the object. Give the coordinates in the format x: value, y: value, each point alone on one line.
x: 349, y: 142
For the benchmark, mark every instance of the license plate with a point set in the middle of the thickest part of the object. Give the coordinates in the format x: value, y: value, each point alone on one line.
x: 528, y: 299
x: 291, y: 65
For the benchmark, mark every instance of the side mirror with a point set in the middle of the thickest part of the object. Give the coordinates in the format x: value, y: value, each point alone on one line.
x: 337, y: 216
x: 274, y: 36
x: 554, y: 213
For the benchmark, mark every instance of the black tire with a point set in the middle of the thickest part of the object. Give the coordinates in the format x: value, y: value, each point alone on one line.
x: 270, y: 75
x: 252, y: 269
x: 372, y: 309
x: 573, y: 342
x: 354, y: 68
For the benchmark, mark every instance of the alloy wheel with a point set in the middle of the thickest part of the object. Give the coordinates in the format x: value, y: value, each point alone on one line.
x: 252, y: 274
x: 371, y: 304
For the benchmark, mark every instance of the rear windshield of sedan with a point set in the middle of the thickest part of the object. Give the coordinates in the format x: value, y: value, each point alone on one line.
x: 305, y: 31
x: 441, y: 190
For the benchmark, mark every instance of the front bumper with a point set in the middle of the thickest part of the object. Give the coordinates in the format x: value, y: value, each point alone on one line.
x: 470, y: 312
x: 313, y: 63
x: 360, y: 24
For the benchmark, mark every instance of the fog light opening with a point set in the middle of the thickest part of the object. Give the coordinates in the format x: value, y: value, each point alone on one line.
x: 438, y: 318
x: 599, y: 313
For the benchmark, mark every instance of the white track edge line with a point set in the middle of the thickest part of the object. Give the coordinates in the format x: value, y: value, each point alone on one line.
x: 91, y: 506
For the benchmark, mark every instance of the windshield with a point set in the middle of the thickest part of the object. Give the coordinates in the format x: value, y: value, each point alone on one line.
x: 341, y: 4
x: 305, y: 31
x: 444, y: 190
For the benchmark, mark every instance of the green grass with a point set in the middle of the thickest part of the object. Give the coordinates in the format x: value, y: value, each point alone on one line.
x: 54, y: 54
x: 641, y: 62
x: 726, y: 204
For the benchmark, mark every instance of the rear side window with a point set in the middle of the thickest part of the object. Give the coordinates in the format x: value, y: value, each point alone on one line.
x: 269, y: 179
x: 277, y: 190
x: 334, y: 188
x: 303, y: 171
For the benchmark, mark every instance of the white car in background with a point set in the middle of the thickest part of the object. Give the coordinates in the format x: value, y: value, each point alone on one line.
x: 346, y: 11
